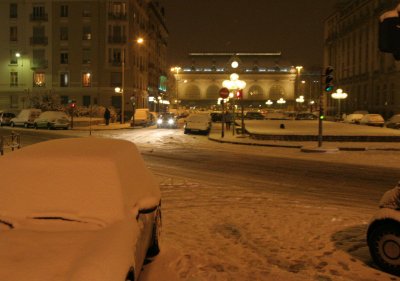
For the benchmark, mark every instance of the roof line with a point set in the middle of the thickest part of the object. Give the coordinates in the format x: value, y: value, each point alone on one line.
x: 236, y: 54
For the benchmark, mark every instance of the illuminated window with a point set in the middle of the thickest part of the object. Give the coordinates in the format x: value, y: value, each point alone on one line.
x: 86, y: 79
x: 87, y: 33
x: 39, y: 79
x: 64, y: 79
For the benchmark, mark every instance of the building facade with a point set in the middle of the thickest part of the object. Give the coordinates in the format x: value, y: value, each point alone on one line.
x: 74, y: 50
x: 371, y: 78
x: 267, y: 78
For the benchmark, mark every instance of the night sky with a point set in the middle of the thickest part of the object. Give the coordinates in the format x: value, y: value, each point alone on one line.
x: 294, y: 27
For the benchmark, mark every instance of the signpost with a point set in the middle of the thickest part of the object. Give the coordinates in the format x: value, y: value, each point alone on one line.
x: 223, y: 93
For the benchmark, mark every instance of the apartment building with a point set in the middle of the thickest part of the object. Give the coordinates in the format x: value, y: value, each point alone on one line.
x: 82, y: 51
x: 371, y: 78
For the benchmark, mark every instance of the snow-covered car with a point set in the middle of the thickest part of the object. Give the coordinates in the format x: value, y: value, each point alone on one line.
x: 383, y: 235
x: 87, y: 209
x: 372, y: 120
x: 25, y: 118
x: 353, y: 118
x: 52, y: 120
x: 198, y: 122
x: 167, y: 120
x: 393, y: 122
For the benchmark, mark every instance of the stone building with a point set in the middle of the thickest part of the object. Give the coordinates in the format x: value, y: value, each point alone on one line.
x: 74, y: 50
x: 266, y: 75
x: 371, y: 78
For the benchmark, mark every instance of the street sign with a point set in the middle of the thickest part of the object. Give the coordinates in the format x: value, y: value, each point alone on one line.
x: 224, y: 93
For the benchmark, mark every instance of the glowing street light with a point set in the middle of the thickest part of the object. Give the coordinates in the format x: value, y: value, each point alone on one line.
x: 281, y: 101
x: 300, y: 100
x: 269, y: 102
x: 339, y: 95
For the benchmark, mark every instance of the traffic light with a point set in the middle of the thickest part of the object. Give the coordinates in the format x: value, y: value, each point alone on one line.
x: 72, y: 104
x: 389, y: 32
x: 329, y: 79
x: 239, y: 94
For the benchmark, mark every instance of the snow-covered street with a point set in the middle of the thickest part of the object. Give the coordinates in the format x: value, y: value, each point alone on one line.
x: 241, y: 213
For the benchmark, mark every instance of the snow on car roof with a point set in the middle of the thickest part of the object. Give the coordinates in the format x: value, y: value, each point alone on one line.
x: 198, y: 117
x: 78, y: 177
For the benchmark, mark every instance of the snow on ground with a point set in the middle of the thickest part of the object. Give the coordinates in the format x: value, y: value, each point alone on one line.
x: 231, y: 233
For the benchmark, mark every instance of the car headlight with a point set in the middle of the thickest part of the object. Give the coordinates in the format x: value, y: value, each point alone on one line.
x: 159, y: 121
x: 171, y: 121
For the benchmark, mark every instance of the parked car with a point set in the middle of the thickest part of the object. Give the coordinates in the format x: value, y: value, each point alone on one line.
x: 25, y: 118
x: 372, y: 120
x: 216, y: 116
x: 306, y: 116
x: 5, y: 118
x: 383, y: 234
x: 353, y: 118
x: 198, y: 122
x: 143, y: 117
x: 393, y: 122
x: 276, y: 116
x: 88, y: 208
x: 254, y: 115
x: 52, y: 120
x: 167, y: 120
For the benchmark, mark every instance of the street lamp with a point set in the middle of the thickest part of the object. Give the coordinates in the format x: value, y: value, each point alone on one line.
x: 121, y: 90
x: 300, y: 100
x: 281, y: 101
x: 176, y: 69
x: 298, y: 68
x: 269, y: 102
x: 234, y: 84
x: 339, y: 95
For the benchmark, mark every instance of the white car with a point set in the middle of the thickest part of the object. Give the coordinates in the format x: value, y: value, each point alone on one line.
x: 383, y: 235
x: 84, y: 209
x: 52, y: 120
x: 353, y: 118
x: 372, y: 120
x: 25, y: 118
x: 198, y: 122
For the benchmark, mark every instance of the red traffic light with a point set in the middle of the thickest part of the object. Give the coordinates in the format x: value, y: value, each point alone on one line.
x: 239, y: 94
x: 73, y: 105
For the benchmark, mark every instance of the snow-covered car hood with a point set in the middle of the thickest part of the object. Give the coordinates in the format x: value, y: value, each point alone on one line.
x: 105, y: 254
x: 391, y: 199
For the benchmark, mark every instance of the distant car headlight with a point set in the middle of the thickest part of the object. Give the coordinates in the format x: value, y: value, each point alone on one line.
x: 171, y: 121
x: 159, y: 121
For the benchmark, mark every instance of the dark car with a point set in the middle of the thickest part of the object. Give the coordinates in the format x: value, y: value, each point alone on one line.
x: 5, y: 118
x: 167, y: 120
x: 394, y: 122
x: 254, y: 115
x: 306, y: 116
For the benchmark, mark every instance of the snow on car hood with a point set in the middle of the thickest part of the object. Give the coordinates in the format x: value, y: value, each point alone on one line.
x: 101, y: 255
x: 87, y: 178
x: 391, y: 199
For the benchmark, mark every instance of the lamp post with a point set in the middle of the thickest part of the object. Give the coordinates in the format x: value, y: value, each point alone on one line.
x: 269, y: 103
x: 281, y: 101
x: 339, y: 95
x: 234, y: 84
x: 121, y: 90
x: 298, y: 72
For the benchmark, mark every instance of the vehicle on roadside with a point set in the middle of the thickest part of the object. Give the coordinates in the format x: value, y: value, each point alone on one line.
x: 383, y: 234
x: 393, y: 122
x: 197, y: 122
x: 306, y: 116
x: 52, y: 120
x: 276, y: 116
x: 25, y: 118
x: 143, y: 117
x: 353, y: 118
x: 372, y: 120
x: 216, y: 116
x: 5, y: 118
x: 99, y: 224
x: 254, y: 115
x: 167, y: 120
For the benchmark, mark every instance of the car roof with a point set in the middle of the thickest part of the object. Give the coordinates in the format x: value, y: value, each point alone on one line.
x: 90, y: 177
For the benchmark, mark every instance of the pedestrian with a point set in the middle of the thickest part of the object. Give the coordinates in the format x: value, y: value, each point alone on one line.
x: 228, y: 120
x: 107, y: 116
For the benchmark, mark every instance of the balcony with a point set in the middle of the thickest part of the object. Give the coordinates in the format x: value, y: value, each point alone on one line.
x: 39, y: 64
x: 39, y: 17
x: 116, y: 39
x: 117, y: 16
x: 42, y: 40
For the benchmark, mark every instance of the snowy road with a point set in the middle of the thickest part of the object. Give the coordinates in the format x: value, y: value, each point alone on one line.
x: 243, y: 213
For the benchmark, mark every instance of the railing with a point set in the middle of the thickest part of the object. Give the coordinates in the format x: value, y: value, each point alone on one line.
x: 13, y: 141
